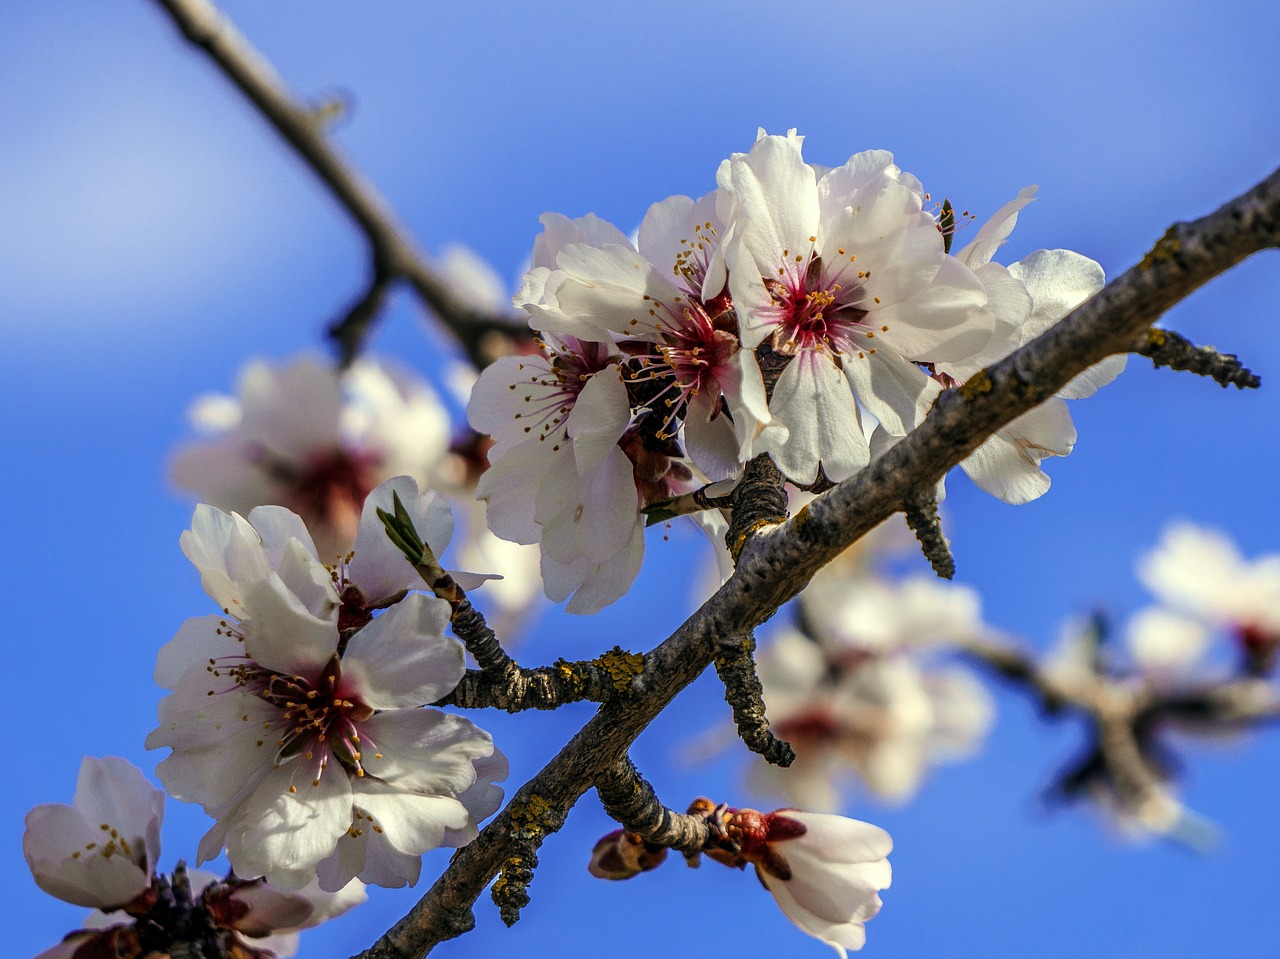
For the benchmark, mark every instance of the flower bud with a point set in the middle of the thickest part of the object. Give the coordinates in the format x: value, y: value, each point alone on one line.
x: 622, y: 854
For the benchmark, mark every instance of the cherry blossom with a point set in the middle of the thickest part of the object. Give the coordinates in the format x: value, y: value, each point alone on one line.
x: 312, y: 439
x: 843, y: 272
x: 294, y: 717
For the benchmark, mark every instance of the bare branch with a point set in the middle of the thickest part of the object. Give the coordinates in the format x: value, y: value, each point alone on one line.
x: 393, y: 252
x: 629, y: 799
x: 922, y: 516
x: 736, y: 667
x: 777, y: 562
x: 1167, y: 348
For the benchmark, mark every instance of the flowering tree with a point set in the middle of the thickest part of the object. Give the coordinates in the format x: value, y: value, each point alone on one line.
x: 789, y: 360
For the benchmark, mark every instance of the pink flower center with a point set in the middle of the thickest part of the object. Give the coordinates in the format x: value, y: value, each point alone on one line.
x: 318, y: 720
x: 569, y: 365
x: 814, y: 307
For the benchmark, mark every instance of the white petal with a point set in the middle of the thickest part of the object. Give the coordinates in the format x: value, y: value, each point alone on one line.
x: 813, y: 401
x: 1007, y: 465
x: 283, y: 635
x: 284, y: 835
x: 402, y: 657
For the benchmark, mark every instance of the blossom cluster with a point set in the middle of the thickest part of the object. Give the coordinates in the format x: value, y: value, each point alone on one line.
x: 861, y: 684
x: 783, y: 313
x: 295, y: 715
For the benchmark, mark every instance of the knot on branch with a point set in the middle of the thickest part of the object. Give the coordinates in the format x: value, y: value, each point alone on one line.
x: 1170, y: 349
x: 759, y: 500
x: 736, y: 667
x: 921, y: 509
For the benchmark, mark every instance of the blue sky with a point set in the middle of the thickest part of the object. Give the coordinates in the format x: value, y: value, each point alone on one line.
x: 154, y: 233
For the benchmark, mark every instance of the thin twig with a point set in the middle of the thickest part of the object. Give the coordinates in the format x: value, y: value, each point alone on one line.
x: 392, y: 250
x: 1175, y: 351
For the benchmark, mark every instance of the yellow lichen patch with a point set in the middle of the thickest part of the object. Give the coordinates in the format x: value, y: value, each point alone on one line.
x: 1156, y: 338
x: 746, y: 534
x: 745, y: 646
x: 570, y: 674
x: 529, y: 819
x: 621, y: 666
x: 1166, y: 248
x: 976, y: 385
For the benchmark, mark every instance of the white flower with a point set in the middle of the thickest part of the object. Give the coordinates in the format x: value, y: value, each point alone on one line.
x: 1026, y: 299
x: 294, y: 718
x: 558, y: 476
x: 1201, y: 573
x: 309, y: 438
x: 665, y: 297
x: 889, y: 718
x: 824, y: 871
x: 264, y: 918
x: 845, y: 272
x: 101, y: 850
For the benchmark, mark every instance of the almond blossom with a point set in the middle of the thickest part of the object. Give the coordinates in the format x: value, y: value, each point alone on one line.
x: 559, y: 475
x: 825, y: 872
x: 1025, y: 299
x: 843, y: 272
x: 1201, y: 577
x: 295, y: 717
x: 665, y: 299
x: 308, y: 437
x: 857, y: 687
x: 250, y: 918
x: 114, y: 825
x: 101, y: 850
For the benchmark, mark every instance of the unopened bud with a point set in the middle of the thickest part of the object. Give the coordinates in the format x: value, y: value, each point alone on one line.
x: 622, y: 854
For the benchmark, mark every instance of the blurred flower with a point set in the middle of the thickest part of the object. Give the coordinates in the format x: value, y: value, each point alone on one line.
x: 312, y: 439
x: 100, y: 851
x: 1201, y: 576
x: 295, y: 720
x: 888, y: 718
x: 857, y: 685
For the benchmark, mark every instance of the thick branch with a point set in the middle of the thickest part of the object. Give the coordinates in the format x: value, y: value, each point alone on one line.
x: 393, y: 252
x: 778, y: 562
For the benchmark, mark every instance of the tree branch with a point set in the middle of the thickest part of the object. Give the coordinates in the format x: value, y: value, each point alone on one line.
x: 777, y: 562
x: 393, y: 252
